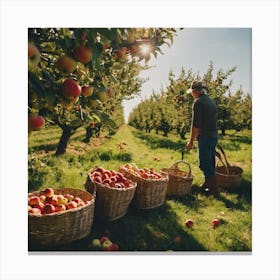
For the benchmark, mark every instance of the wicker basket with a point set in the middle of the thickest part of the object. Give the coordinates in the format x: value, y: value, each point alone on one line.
x: 62, y: 227
x: 227, y: 175
x: 180, y: 182
x: 111, y: 203
x: 149, y: 193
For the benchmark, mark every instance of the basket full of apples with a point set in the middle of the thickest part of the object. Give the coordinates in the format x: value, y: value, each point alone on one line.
x: 59, y: 216
x: 151, y: 185
x: 180, y: 181
x: 114, y: 192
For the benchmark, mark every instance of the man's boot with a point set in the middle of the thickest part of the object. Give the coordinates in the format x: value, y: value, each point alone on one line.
x: 211, y: 186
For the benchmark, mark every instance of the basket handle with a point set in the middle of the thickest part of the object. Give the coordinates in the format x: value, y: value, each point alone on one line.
x: 175, y: 166
x: 224, y: 154
x: 218, y: 155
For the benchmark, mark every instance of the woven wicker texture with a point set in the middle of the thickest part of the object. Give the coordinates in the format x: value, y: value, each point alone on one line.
x: 111, y: 203
x: 180, y: 182
x: 149, y: 193
x: 62, y: 227
x: 227, y: 175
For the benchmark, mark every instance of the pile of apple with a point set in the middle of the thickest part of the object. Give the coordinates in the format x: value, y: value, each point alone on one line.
x: 146, y: 173
x: 47, y: 202
x: 105, y: 244
x: 110, y: 178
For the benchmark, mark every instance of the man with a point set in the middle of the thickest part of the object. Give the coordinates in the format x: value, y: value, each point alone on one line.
x: 204, y: 129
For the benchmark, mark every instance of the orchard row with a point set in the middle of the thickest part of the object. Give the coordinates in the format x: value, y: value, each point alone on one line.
x: 171, y: 109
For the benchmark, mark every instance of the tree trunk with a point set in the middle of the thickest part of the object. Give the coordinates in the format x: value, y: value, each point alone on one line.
x: 67, y: 132
x: 223, y: 131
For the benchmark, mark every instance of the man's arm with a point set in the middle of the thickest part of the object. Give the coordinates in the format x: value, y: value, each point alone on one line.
x: 193, y: 136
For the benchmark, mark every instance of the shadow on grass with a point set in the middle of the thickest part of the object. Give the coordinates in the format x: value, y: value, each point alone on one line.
x: 109, y: 155
x: 154, y: 143
x: 45, y: 147
x: 139, y: 230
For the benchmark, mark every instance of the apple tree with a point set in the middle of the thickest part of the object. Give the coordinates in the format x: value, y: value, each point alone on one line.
x: 78, y: 76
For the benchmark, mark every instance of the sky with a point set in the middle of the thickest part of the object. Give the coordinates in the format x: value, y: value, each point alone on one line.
x: 195, y: 48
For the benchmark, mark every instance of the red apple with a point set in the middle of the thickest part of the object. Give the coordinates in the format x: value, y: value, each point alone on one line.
x: 66, y: 64
x: 34, y: 200
x: 40, y: 206
x: 115, y: 247
x: 77, y: 199
x: 42, y: 198
x: 87, y: 90
x: 110, y: 92
x: 34, y: 56
x: 60, y: 208
x: 109, y: 246
x: 71, y: 89
x: 69, y: 197
x: 48, y: 192
x: 48, y: 209
x: 35, y: 211
x: 53, y: 200
x: 100, y: 169
x: 71, y: 205
x: 133, y: 50
x: 189, y: 223
x: 119, y: 185
x: 121, y: 53
x: 215, y: 223
x: 83, y: 54
x: 104, y: 238
x: 35, y: 122
x: 98, y: 179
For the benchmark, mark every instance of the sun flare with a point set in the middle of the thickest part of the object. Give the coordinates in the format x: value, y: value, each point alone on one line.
x: 145, y: 49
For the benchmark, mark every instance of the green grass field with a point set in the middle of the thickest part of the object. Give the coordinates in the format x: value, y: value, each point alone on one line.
x: 162, y: 228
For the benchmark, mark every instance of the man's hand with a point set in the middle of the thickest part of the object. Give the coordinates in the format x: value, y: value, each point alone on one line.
x: 189, y: 145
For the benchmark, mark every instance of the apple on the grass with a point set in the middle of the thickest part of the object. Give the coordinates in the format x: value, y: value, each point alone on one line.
x: 103, y: 239
x: 189, y: 223
x: 35, y: 122
x: 96, y: 244
x: 106, y: 245
x: 34, y: 56
x: 71, y: 89
x: 216, y: 223
x: 66, y: 64
x: 83, y: 54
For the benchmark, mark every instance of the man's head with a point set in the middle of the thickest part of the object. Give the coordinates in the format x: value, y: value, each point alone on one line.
x: 196, y: 88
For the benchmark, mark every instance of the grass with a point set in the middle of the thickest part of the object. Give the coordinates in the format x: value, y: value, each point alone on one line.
x: 158, y: 229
